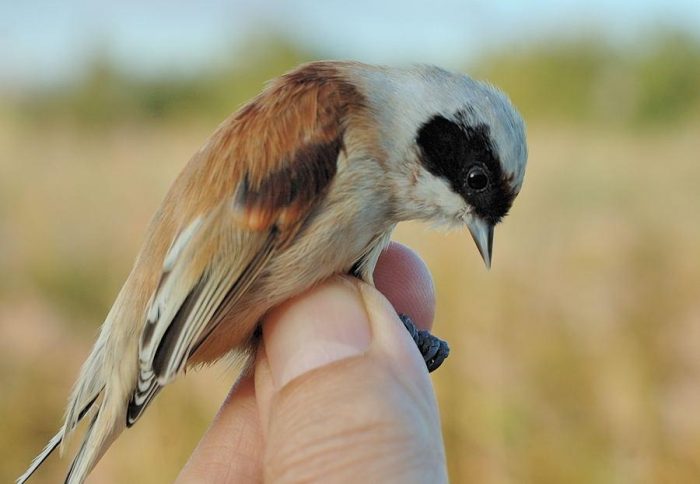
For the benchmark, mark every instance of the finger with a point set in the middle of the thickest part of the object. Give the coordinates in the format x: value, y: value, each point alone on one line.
x: 348, y: 396
x: 231, y: 449
x: 402, y: 276
x: 264, y: 388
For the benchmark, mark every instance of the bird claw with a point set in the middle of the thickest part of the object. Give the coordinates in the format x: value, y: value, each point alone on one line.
x: 433, y: 349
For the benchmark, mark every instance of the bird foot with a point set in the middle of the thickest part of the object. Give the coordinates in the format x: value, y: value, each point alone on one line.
x: 433, y: 349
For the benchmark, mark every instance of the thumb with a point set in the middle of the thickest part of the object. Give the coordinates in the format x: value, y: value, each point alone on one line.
x: 343, y: 393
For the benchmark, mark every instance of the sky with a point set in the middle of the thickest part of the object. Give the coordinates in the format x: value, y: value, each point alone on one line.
x: 46, y: 41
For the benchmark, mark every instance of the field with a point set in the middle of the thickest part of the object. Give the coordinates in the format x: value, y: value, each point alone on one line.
x: 575, y: 359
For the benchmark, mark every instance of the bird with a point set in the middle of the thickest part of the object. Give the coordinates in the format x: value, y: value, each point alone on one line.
x: 306, y: 180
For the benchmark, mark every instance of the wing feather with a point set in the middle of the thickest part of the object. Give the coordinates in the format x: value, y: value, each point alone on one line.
x: 281, y: 173
x: 182, y: 316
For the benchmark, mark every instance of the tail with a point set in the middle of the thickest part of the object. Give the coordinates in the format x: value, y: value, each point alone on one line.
x: 55, y: 441
x: 39, y: 459
x: 90, y: 397
x: 105, y: 426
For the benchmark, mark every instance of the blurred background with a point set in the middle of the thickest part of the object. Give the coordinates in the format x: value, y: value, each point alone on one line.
x: 575, y: 359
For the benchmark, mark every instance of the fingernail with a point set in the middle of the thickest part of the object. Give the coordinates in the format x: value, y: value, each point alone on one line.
x: 325, y: 325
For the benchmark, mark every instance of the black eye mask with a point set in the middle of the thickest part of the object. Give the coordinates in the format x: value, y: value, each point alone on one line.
x: 464, y: 156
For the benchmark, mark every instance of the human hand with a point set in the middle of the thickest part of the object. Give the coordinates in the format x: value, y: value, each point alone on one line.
x: 339, y: 391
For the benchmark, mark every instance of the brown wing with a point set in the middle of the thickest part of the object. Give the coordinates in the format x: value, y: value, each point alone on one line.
x: 278, y: 150
x: 246, y: 194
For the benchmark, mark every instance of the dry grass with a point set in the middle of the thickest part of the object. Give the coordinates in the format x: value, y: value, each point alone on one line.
x: 576, y: 359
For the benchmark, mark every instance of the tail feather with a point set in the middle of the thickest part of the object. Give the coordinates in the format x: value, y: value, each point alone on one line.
x: 105, y: 426
x: 39, y: 459
x: 88, y: 387
x: 55, y: 441
x: 93, y: 393
x: 87, y: 390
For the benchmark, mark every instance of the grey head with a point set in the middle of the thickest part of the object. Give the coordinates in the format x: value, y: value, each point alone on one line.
x: 464, y: 133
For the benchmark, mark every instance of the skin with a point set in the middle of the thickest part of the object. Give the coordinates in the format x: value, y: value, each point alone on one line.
x: 339, y: 391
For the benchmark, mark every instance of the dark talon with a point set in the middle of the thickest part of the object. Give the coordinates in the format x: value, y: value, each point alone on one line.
x: 442, y: 354
x: 433, y: 349
x: 431, y: 346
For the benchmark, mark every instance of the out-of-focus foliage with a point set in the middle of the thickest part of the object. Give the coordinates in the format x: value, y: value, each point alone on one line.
x: 107, y: 94
x: 586, y: 80
x: 669, y: 79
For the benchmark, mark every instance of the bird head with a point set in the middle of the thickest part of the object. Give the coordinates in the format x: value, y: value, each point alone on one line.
x: 462, y: 144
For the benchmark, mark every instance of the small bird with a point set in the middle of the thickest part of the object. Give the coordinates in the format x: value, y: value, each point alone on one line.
x: 305, y: 181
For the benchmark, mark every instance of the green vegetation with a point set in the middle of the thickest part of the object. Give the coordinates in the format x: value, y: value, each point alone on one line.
x: 587, y: 80
x: 583, y: 80
x: 106, y: 95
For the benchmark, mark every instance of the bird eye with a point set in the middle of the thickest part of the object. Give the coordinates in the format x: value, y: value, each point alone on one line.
x: 477, y: 179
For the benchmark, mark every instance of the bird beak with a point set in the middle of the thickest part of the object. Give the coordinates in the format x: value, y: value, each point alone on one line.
x: 482, y: 233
